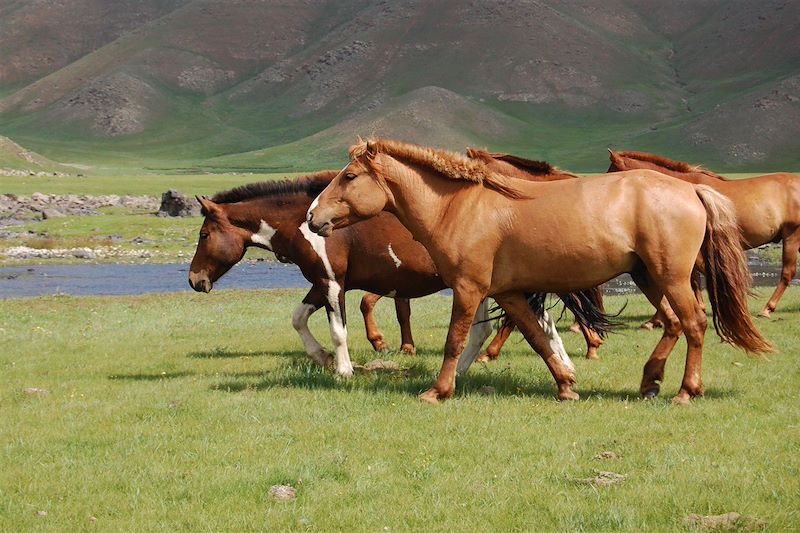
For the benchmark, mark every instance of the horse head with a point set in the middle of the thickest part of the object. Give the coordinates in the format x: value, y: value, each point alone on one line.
x: 220, y: 246
x: 358, y: 192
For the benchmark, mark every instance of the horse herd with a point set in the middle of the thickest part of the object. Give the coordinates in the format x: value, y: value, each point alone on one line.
x: 406, y: 221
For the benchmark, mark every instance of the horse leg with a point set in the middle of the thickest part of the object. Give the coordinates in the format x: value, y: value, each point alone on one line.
x: 694, y: 323
x: 653, y: 373
x: 493, y: 350
x: 478, y: 333
x: 516, y: 306
x: 791, y: 243
x: 402, y: 308
x: 374, y: 335
x: 655, y: 321
x: 466, y: 299
x: 312, y: 301
x: 337, y: 320
x: 593, y: 342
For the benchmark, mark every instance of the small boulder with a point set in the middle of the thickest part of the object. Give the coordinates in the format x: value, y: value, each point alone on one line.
x: 177, y: 204
x: 52, y: 213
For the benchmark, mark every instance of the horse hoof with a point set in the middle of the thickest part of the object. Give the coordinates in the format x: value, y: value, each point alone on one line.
x: 764, y: 314
x: 592, y: 354
x: 568, y: 395
x: 650, y: 394
x: 409, y: 349
x: 429, y: 396
x: 483, y: 358
x: 647, y: 325
x: 683, y: 398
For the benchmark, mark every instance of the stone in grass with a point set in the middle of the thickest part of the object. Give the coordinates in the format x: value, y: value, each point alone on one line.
x: 487, y: 390
x: 33, y: 391
x: 604, y: 479
x: 282, y: 493
x: 724, y: 522
x: 379, y: 365
x: 606, y: 455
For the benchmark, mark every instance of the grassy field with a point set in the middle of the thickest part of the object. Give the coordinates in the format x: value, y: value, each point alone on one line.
x: 179, y: 412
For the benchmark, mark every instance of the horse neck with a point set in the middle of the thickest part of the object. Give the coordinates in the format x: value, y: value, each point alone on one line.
x: 420, y: 199
x: 284, y: 214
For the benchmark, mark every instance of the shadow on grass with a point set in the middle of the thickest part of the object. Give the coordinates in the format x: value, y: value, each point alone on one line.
x: 150, y: 377
x: 222, y: 353
x: 412, y: 379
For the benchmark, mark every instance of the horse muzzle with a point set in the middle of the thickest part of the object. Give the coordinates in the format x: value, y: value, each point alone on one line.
x: 324, y: 228
x: 199, y: 282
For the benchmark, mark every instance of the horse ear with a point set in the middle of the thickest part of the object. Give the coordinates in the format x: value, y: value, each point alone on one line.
x: 207, y: 207
x: 372, y: 148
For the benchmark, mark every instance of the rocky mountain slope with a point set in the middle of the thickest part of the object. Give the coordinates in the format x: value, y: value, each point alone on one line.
x: 256, y: 84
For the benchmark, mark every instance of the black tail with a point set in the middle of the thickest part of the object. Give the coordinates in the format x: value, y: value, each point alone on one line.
x: 587, y: 306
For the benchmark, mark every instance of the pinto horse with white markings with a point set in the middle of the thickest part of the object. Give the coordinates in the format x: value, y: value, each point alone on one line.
x: 767, y: 207
x: 491, y: 235
x: 379, y: 256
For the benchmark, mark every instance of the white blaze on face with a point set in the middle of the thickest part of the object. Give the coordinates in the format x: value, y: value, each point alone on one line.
x: 394, y: 257
x: 264, y: 236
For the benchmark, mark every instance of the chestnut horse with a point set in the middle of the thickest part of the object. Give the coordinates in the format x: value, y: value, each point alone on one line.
x: 378, y: 256
x: 491, y: 235
x: 767, y: 207
x: 531, y: 170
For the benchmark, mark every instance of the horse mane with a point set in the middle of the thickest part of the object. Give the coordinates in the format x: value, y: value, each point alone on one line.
x: 448, y: 164
x: 311, y: 184
x: 540, y: 168
x: 671, y: 164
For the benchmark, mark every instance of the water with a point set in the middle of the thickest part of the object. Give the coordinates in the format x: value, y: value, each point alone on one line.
x: 82, y: 280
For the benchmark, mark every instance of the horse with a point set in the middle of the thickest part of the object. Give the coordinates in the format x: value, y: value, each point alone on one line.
x: 767, y: 207
x: 379, y: 256
x: 491, y: 235
x: 532, y: 170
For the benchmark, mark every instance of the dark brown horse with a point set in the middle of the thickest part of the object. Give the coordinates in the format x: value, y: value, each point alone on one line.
x: 767, y: 207
x: 379, y: 256
x: 490, y: 235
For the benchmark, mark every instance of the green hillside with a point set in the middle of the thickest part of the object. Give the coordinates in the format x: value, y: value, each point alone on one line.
x: 239, y: 85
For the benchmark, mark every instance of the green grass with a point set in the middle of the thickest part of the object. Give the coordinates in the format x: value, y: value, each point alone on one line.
x: 136, y: 184
x: 189, y: 426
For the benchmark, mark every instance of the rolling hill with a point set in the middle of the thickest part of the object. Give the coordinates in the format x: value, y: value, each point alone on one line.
x: 287, y: 85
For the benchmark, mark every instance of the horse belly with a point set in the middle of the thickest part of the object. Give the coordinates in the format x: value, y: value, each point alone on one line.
x: 557, y: 270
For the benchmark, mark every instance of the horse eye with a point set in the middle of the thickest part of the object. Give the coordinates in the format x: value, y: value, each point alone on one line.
x: 350, y: 176
x: 203, y: 236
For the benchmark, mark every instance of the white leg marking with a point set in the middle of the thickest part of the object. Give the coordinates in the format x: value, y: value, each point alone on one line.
x: 338, y: 330
x: 344, y: 367
x: 394, y: 257
x: 480, y: 331
x: 549, y: 327
x: 264, y: 236
x: 300, y: 323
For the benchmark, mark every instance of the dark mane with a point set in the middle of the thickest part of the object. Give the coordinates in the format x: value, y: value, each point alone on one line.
x: 312, y: 184
x: 532, y: 166
x: 671, y: 164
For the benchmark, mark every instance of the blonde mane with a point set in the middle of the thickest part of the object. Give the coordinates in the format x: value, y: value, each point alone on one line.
x: 450, y: 165
x: 671, y: 164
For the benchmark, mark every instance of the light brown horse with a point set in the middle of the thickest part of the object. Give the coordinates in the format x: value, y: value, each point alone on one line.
x: 490, y: 235
x: 378, y: 255
x: 767, y: 207
x: 531, y: 170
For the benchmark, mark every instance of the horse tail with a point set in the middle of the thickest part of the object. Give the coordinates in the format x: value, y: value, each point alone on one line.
x: 587, y: 306
x: 727, y: 276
